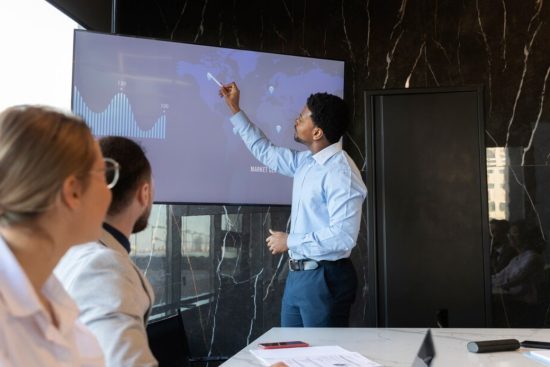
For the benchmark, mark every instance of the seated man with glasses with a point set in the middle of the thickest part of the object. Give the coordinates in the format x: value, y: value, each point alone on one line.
x: 114, y: 297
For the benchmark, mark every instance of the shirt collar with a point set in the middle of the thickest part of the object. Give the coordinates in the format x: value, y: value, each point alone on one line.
x: 122, y: 239
x: 16, y: 289
x: 323, y: 156
x: 17, y: 293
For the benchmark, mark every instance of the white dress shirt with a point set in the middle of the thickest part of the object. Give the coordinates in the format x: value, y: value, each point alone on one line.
x: 28, y: 336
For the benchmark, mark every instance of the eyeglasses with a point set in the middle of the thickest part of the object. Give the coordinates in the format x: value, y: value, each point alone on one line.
x: 111, y: 171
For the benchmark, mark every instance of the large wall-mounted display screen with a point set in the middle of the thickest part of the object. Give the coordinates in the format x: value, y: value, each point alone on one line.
x: 164, y: 95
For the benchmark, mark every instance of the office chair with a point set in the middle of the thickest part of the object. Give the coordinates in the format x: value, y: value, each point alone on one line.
x: 168, y: 343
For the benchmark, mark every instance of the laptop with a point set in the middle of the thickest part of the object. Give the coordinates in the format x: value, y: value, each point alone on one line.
x: 426, y: 353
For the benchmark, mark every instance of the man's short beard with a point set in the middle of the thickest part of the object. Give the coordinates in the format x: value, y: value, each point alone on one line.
x: 142, y: 221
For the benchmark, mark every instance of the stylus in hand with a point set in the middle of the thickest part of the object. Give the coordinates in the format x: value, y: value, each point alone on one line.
x: 209, y: 76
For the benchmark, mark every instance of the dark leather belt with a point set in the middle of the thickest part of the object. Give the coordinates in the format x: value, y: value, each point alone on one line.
x: 308, y: 264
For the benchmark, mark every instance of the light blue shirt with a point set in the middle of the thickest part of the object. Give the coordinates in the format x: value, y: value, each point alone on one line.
x: 327, y: 193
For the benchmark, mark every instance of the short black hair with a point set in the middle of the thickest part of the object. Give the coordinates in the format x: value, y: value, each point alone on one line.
x: 330, y: 113
x: 529, y: 235
x: 134, y: 169
x: 500, y: 226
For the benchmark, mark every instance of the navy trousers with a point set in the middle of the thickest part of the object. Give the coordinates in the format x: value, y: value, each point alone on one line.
x: 320, y: 297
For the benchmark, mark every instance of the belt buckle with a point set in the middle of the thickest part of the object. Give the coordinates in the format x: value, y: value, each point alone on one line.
x: 310, y: 265
x: 300, y: 265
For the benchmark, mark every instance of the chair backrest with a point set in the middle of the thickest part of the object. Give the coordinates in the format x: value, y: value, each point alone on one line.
x: 168, y: 341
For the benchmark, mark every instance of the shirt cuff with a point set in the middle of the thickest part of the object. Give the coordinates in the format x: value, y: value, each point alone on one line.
x: 293, y: 242
x: 240, y: 121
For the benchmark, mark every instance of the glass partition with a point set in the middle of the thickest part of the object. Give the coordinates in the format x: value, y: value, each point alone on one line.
x: 211, y: 262
x: 518, y: 217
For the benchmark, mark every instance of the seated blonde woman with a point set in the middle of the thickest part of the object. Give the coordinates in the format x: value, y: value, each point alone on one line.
x: 53, y: 194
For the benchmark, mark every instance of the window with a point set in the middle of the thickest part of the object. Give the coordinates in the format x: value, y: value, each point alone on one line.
x: 148, y: 251
x: 195, y: 236
x: 37, y: 54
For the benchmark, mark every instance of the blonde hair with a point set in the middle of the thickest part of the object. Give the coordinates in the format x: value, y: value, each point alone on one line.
x: 39, y: 148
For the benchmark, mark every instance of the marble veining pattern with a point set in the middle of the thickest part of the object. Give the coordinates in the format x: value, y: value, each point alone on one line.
x: 386, y: 44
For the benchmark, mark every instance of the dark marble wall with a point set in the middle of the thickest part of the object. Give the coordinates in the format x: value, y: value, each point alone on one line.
x: 386, y: 44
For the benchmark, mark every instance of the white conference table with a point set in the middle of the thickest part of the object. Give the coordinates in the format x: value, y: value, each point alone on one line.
x: 398, y: 347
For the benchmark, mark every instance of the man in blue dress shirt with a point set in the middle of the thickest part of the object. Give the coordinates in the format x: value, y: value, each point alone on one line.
x: 327, y: 198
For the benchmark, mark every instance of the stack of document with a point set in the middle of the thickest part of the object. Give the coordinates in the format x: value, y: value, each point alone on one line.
x: 314, y: 357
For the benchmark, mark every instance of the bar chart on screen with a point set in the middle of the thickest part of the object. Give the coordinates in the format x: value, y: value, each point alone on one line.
x: 117, y: 118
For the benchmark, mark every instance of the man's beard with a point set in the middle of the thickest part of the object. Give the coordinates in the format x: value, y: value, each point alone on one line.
x: 142, y: 221
x: 297, y: 139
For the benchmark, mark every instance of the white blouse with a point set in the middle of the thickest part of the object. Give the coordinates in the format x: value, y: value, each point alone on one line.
x: 28, y: 336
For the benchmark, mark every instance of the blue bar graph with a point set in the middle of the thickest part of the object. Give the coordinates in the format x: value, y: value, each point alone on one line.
x: 117, y: 119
